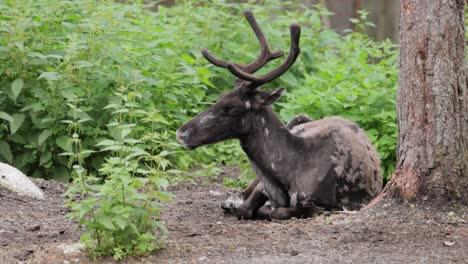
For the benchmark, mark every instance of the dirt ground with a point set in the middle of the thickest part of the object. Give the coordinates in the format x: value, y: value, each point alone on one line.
x: 34, y: 231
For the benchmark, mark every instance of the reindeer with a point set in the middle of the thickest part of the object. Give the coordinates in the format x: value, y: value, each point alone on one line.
x: 301, y: 167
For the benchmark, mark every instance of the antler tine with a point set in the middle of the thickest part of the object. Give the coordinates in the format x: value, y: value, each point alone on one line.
x: 265, y: 54
x: 259, y: 80
x: 215, y: 61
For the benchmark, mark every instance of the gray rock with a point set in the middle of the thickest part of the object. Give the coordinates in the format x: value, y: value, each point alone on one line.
x: 13, y: 179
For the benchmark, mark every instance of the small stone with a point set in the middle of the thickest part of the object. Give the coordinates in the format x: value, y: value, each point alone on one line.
x: 33, y: 228
x: 449, y: 243
x: 215, y: 193
x: 71, y: 248
x: 202, y: 258
x: 219, y: 223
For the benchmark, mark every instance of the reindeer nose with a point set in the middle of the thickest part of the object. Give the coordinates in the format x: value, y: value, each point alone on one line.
x: 182, y: 137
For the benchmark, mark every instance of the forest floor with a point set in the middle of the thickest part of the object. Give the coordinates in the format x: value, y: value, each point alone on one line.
x: 199, y: 232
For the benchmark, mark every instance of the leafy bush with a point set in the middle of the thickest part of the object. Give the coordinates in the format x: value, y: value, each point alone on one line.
x: 120, y: 214
x: 53, y: 50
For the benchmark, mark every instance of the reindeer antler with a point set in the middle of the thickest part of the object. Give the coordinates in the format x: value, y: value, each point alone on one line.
x: 292, y: 56
x: 265, y: 55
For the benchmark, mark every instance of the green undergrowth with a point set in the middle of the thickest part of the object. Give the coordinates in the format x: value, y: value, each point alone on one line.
x: 52, y: 51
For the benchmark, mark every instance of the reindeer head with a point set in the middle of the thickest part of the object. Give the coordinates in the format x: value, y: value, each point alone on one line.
x: 233, y: 114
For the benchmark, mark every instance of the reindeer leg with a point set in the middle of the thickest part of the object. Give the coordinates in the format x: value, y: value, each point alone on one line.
x: 238, y: 198
x: 248, y: 191
x: 264, y: 212
x: 284, y: 213
x: 249, y: 208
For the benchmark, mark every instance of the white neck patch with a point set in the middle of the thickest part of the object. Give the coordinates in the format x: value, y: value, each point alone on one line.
x: 248, y: 105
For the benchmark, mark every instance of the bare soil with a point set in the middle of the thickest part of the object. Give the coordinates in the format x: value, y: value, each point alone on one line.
x: 199, y: 232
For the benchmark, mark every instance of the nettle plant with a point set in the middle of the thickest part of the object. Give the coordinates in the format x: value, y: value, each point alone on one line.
x: 120, y: 209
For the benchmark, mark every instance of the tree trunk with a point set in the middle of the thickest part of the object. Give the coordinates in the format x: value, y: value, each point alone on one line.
x: 385, y: 14
x: 432, y: 158
x: 343, y: 11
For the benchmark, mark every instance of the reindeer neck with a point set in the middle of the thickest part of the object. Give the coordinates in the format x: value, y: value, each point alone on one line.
x: 269, y: 144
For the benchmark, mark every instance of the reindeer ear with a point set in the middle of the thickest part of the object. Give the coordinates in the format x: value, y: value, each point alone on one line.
x: 268, y: 98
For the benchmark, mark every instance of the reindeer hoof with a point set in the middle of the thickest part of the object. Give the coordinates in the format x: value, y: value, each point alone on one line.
x: 242, y: 213
x: 232, y: 202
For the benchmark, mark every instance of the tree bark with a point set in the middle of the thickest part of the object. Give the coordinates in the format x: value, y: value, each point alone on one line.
x: 432, y: 158
x: 385, y: 14
x: 343, y: 11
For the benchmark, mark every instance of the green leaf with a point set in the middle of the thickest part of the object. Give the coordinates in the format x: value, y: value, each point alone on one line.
x: 16, y: 87
x: 44, y: 135
x: 160, y: 182
x: 106, y: 221
x: 45, y: 157
x: 67, y: 94
x: 6, y: 117
x: 106, y: 142
x: 17, y: 138
x: 125, y: 132
x: 188, y: 58
x: 34, y: 107
x: 113, y: 148
x: 121, y: 222
x: 120, y: 111
x: 83, y: 64
x: 5, y: 151
x: 18, y: 120
x: 61, y: 174
x: 64, y: 143
x: 163, y: 196
x: 50, y: 76
x: 125, y: 179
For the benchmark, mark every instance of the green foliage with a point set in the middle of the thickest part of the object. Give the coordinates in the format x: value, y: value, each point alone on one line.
x: 241, y: 182
x: 52, y: 50
x: 120, y: 214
